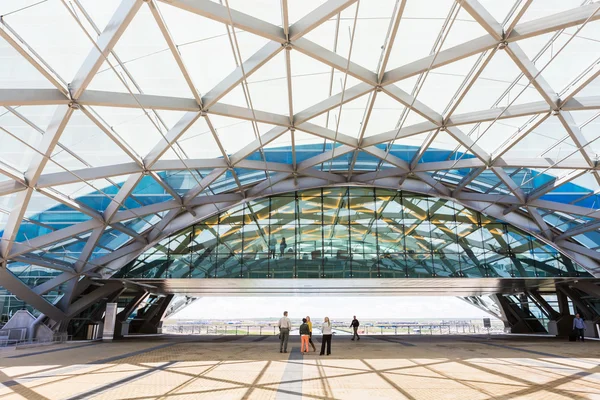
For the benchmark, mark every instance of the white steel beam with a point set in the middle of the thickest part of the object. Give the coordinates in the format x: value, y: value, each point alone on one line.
x: 218, y: 12
x: 324, y: 157
x: 581, y: 103
x: 88, y: 249
x: 36, y: 166
x: 10, y: 187
x: 520, y: 110
x: 553, y: 184
x: 174, y: 49
x: 517, y: 136
x: 411, y: 102
x: 50, y: 284
x: 468, y: 143
x: 128, y: 100
x: 328, y: 176
x: 262, y: 166
x: 251, y: 65
x: 228, y: 110
x: 437, y: 185
x: 467, y: 179
x: 387, y: 157
x: 108, y: 131
x: 204, y: 183
x: 15, y: 286
x: 170, y: 138
x: 260, y: 188
x: 48, y: 239
x: 150, y: 209
x: 574, y: 132
x: 334, y: 60
x: 328, y: 134
x: 483, y: 17
x: 67, y: 177
x: 255, y: 145
x: 48, y: 143
x: 10, y: 36
x: 578, y: 230
x: 566, y: 208
x: 384, y: 173
x: 531, y: 72
x: 119, y: 200
x: 396, y: 134
x: 318, y: 16
x: 71, y: 203
x: 204, y: 163
x: 555, y: 22
x: 11, y: 228
x: 107, y: 40
x: 332, y: 102
x: 31, y: 97
x: 81, y: 304
x: 45, y: 262
x: 433, y: 166
x: 510, y: 184
x: 440, y: 59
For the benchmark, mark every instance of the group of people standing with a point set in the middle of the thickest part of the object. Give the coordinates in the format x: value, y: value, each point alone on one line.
x: 273, y: 247
x: 306, y: 331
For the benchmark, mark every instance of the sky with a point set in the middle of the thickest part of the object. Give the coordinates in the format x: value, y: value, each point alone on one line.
x: 364, y: 307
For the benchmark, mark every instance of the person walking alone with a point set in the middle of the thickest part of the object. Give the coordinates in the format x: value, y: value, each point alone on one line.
x: 579, y: 327
x: 310, y: 336
x: 304, y: 336
x: 282, y: 247
x: 284, y: 332
x: 354, y: 325
x: 326, y: 330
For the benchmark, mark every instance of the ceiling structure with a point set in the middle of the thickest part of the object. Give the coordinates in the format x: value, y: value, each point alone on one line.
x: 126, y: 121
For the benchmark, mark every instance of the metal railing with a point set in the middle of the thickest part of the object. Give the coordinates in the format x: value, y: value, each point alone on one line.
x: 17, y: 337
x: 396, y: 329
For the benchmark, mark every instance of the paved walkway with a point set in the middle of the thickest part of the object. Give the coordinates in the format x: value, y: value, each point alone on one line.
x: 251, y: 367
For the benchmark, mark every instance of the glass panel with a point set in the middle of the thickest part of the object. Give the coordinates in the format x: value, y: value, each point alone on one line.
x: 342, y: 233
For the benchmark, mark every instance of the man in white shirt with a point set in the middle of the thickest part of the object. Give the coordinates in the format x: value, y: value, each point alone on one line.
x: 285, y: 326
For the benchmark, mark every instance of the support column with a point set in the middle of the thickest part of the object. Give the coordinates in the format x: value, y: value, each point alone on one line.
x: 152, y: 319
x: 127, y: 311
x: 109, y: 322
x: 520, y: 319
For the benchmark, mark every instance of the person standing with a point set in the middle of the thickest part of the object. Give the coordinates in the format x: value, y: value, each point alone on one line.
x: 272, y: 244
x: 304, y: 336
x: 354, y: 325
x: 284, y: 332
x: 282, y: 247
x: 310, y: 326
x: 579, y: 327
x: 326, y: 330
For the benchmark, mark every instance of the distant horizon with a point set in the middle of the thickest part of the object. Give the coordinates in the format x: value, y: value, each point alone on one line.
x: 364, y: 307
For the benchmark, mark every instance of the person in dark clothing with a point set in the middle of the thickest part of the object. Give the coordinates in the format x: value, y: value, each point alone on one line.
x: 354, y: 325
x: 282, y: 247
x: 579, y: 327
x: 304, y: 336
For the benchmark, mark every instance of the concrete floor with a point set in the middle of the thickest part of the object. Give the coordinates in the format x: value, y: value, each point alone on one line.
x: 251, y: 367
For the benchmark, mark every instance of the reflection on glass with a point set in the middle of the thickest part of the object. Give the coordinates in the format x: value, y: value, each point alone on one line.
x: 351, y: 233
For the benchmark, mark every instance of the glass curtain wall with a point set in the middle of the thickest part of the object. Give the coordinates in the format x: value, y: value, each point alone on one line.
x: 351, y: 232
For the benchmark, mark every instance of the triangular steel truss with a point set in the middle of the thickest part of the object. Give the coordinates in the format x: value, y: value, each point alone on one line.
x: 513, y: 205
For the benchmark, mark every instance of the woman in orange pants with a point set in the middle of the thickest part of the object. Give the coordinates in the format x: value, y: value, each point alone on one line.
x: 304, y: 336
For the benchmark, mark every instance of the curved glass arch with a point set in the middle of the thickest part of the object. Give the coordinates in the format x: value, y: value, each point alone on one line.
x: 350, y: 232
